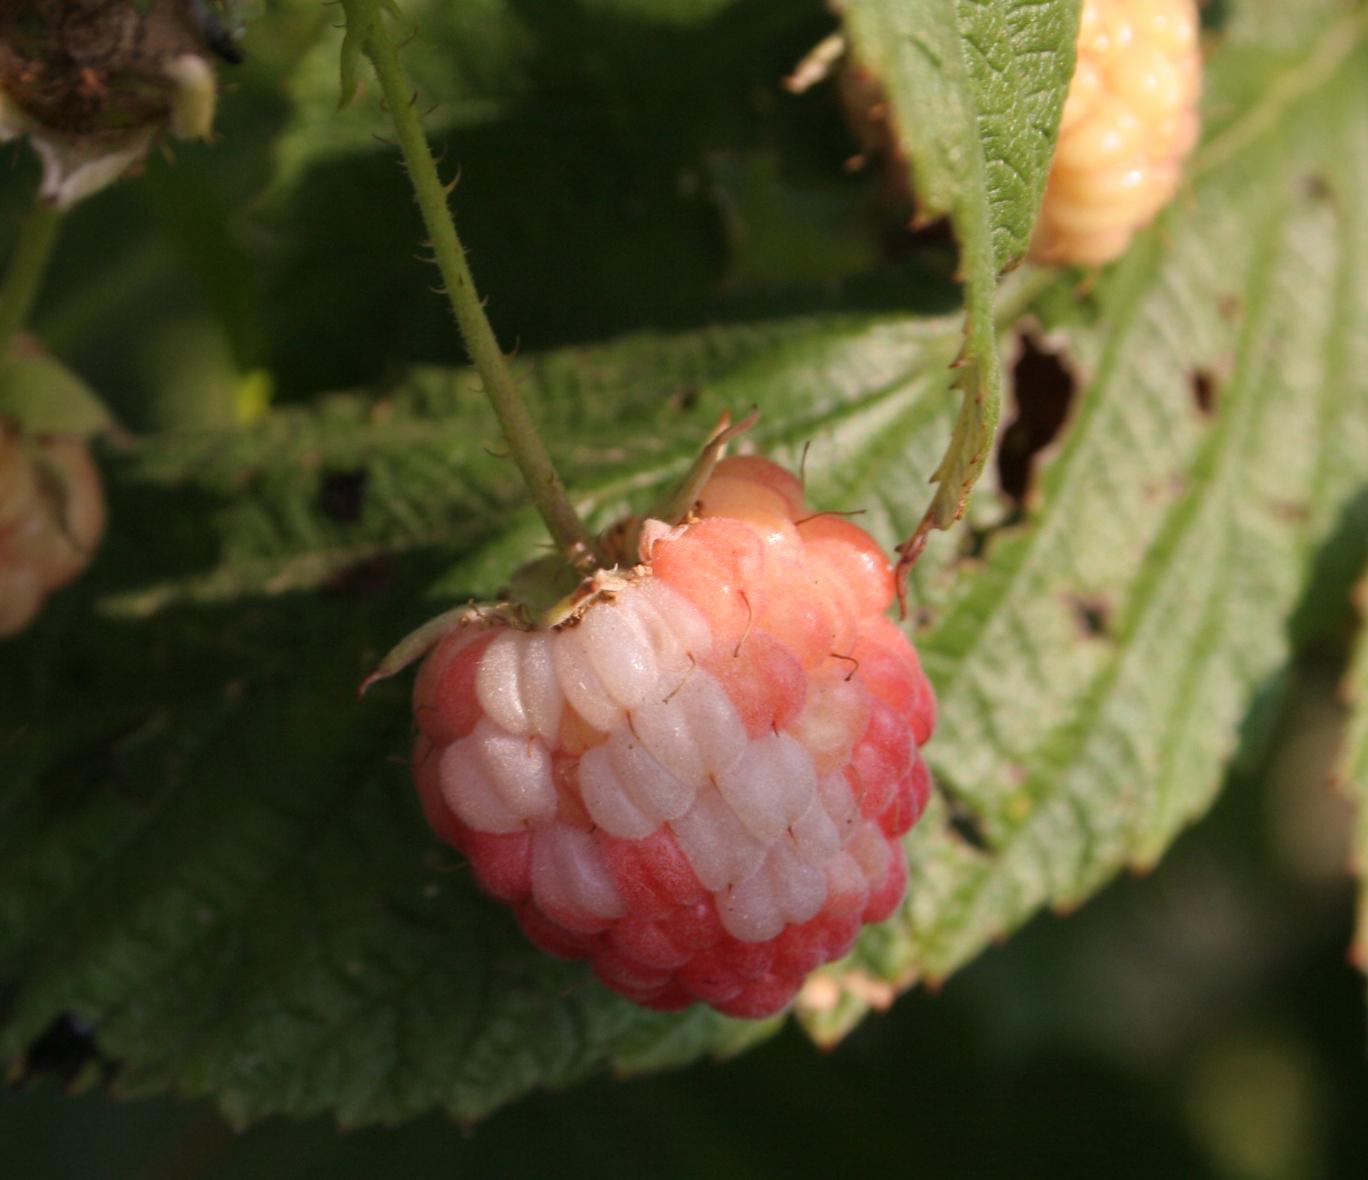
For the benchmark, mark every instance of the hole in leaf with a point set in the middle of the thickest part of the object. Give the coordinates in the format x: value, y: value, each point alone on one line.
x: 1215, y: 15
x: 65, y: 1050
x: 342, y: 495
x: 1094, y: 614
x: 1204, y: 391
x: 1042, y: 390
x: 962, y: 821
x: 966, y: 827
x: 974, y: 541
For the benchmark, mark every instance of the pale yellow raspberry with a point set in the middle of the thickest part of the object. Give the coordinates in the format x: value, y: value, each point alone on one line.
x: 1129, y: 121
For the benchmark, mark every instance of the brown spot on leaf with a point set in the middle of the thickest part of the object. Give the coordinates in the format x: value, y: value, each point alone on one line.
x: 1290, y: 511
x: 685, y: 398
x: 1315, y: 186
x: 342, y: 495
x: 1093, y: 612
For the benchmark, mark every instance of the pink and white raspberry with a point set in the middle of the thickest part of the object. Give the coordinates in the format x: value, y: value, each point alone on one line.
x: 699, y: 779
x: 1129, y: 121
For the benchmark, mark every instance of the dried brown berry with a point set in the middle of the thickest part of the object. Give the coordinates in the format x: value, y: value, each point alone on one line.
x: 93, y: 82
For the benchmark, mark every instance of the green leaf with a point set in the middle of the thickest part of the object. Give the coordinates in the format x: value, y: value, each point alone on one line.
x: 46, y: 397
x: 217, y: 857
x: 212, y: 853
x: 1093, y: 676
x: 974, y: 92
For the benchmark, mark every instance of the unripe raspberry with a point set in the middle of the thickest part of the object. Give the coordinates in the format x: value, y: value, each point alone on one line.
x: 1129, y: 121
x: 51, y: 519
x: 699, y: 779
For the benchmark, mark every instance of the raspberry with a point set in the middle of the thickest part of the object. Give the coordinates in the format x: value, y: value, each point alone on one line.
x: 51, y: 518
x: 1128, y: 122
x: 699, y: 779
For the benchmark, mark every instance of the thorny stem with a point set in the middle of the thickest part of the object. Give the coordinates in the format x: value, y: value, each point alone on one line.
x: 26, y: 268
x: 524, y: 443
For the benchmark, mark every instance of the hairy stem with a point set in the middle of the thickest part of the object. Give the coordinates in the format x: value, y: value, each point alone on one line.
x: 26, y: 269
x: 525, y: 444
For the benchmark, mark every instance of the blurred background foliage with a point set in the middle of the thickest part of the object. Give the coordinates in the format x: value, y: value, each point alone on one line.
x: 287, y: 245
x: 1202, y: 1020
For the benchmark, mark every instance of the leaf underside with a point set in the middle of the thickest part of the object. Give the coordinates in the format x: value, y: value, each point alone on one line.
x: 212, y: 853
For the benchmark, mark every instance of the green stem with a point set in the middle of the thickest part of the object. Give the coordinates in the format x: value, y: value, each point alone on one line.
x: 26, y: 269
x: 525, y: 444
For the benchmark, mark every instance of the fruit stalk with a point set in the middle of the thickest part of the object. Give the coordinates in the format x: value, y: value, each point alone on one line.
x: 26, y: 269
x: 524, y: 443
